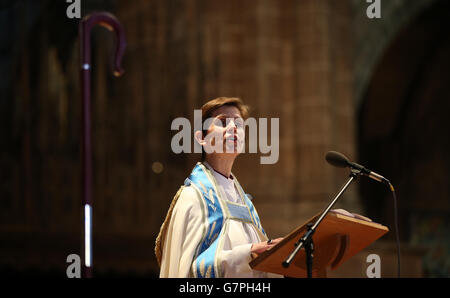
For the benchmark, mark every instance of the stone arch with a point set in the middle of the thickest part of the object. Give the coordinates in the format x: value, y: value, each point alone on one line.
x: 372, y: 36
x: 403, y: 130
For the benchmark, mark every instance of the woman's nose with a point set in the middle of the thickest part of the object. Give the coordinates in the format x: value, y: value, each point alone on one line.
x: 231, y: 125
x: 233, y: 128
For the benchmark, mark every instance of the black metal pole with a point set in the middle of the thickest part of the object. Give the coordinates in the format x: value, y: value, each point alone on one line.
x: 306, y: 239
x: 309, y: 251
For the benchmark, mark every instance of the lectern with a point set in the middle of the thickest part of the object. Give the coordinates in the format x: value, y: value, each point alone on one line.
x: 337, y: 238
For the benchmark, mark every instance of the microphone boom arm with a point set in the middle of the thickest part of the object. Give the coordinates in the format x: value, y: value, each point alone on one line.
x: 306, y: 240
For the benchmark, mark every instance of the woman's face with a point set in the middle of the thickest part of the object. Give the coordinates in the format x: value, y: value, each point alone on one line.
x: 226, y: 132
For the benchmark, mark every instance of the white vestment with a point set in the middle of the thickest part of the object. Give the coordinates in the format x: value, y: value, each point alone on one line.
x: 184, y: 233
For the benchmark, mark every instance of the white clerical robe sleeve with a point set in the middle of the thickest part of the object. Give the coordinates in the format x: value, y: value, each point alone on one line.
x: 234, y: 262
x: 183, y: 235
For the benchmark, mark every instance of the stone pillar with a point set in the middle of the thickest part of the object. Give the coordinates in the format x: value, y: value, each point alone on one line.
x: 304, y: 71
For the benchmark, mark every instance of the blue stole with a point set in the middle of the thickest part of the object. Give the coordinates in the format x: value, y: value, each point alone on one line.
x: 216, y: 212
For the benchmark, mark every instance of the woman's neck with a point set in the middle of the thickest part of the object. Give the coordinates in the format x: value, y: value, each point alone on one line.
x: 220, y: 164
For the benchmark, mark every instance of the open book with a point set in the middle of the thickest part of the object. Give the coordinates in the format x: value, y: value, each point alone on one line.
x: 354, y: 215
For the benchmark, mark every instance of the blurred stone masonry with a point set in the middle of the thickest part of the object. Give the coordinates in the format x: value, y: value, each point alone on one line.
x: 322, y: 67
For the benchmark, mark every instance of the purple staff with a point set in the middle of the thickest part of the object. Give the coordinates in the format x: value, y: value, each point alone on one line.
x: 111, y: 23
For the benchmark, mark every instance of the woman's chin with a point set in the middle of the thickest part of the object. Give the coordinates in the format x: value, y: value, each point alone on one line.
x: 232, y: 148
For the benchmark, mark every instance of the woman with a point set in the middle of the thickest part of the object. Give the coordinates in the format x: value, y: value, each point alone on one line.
x: 212, y: 227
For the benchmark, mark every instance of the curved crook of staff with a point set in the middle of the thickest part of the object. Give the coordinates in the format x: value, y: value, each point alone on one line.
x: 111, y: 23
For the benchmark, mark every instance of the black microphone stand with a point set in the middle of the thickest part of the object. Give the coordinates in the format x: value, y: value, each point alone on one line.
x: 306, y: 240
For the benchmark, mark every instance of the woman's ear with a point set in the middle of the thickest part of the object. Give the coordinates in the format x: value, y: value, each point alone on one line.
x: 198, y: 135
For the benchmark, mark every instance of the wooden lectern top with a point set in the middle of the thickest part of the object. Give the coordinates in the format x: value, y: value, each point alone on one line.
x: 336, y: 239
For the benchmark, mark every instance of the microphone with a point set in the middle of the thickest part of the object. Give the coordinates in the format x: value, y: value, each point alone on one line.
x: 341, y: 161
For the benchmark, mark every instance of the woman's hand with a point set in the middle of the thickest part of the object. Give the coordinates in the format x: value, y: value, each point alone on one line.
x: 265, y: 245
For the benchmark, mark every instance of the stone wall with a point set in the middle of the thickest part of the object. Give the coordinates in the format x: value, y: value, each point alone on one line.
x: 305, y: 62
